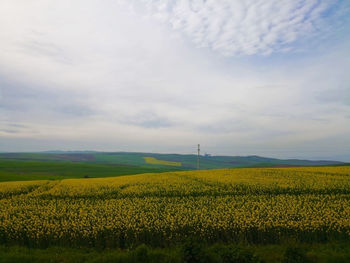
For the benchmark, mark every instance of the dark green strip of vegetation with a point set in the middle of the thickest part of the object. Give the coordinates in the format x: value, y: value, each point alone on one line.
x: 190, y: 251
x: 11, y: 170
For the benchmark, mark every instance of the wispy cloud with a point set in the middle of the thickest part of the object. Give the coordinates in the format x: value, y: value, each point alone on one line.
x: 247, y: 26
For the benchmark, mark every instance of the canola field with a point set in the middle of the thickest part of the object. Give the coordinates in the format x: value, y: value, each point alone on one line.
x: 152, y: 160
x: 254, y: 205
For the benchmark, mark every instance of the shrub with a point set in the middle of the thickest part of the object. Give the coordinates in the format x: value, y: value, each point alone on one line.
x: 295, y: 255
x: 234, y: 254
x: 193, y: 252
x: 140, y: 254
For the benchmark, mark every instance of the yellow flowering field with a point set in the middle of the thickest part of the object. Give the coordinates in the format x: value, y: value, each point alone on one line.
x: 255, y: 205
x: 152, y: 160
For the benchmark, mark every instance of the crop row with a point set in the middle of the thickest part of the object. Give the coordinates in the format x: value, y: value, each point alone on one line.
x: 238, y: 205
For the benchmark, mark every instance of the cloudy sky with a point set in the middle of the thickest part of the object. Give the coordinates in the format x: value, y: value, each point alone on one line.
x: 243, y: 77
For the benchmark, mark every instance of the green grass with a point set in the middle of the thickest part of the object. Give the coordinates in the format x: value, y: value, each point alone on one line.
x: 11, y: 170
x: 317, y: 253
x: 69, y: 255
x: 217, y: 253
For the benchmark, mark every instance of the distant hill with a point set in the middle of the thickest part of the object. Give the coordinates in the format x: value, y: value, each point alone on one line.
x: 188, y: 161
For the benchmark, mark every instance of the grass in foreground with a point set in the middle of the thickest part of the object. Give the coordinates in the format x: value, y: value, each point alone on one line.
x: 188, y: 252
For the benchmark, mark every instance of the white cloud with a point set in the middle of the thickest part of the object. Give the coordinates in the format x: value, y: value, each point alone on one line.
x: 242, y: 27
x: 103, y: 76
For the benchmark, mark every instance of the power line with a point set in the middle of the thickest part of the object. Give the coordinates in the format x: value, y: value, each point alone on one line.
x: 198, y: 157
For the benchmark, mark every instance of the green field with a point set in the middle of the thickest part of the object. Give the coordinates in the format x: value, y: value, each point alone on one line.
x: 14, y: 170
x: 130, y: 159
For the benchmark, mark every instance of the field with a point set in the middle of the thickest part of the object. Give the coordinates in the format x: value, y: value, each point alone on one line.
x: 22, y: 170
x: 257, y: 205
x: 152, y: 160
x: 188, y: 161
x: 261, y: 209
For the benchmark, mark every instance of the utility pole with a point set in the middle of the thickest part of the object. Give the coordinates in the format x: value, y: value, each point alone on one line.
x: 198, y: 157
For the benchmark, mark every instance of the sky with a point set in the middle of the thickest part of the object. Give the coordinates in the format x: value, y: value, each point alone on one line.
x: 244, y: 77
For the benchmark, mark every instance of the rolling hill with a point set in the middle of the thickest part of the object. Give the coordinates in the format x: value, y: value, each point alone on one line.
x: 185, y: 161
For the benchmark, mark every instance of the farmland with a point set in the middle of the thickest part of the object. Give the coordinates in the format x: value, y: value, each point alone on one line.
x: 257, y: 205
x: 262, y: 208
x: 188, y: 161
x: 152, y: 160
x: 23, y: 170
